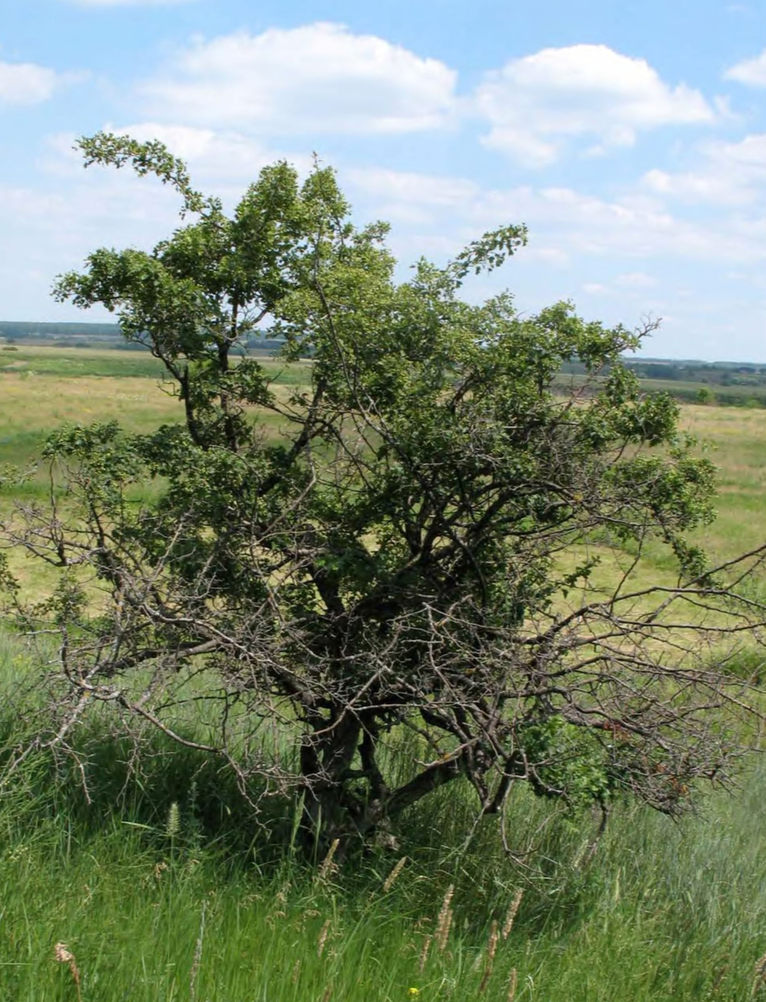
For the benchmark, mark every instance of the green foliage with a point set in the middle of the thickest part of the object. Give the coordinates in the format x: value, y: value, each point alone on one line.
x: 406, y: 554
x: 572, y: 764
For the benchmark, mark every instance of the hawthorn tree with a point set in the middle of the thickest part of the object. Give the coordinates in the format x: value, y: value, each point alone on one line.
x: 421, y: 530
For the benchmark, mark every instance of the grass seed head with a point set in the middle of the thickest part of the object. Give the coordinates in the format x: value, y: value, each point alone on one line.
x: 63, y: 954
x: 173, y: 826
x: 444, y: 921
x: 511, y: 914
x: 489, y: 961
x: 759, y: 979
x: 321, y: 942
x: 391, y: 878
x: 327, y: 864
x: 424, y: 953
x: 512, y: 982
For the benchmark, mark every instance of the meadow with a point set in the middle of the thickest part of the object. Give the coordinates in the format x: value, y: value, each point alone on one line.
x: 161, y: 885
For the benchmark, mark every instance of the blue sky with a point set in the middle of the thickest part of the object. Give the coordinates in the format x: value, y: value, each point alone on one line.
x: 630, y: 137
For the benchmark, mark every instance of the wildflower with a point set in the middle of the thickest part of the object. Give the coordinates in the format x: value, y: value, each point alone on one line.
x: 413, y: 992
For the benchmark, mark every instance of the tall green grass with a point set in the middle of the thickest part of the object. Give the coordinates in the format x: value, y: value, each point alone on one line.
x: 165, y: 887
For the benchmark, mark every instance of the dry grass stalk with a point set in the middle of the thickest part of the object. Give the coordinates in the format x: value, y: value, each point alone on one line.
x: 424, y: 953
x: 760, y: 975
x: 197, y: 955
x: 63, y: 955
x: 326, y: 866
x: 327, y: 994
x: 512, y: 982
x: 323, y: 938
x: 444, y: 921
x: 391, y: 878
x: 511, y: 914
x: 489, y: 961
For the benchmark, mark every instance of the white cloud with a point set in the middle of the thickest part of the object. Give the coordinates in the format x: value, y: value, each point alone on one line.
x: 602, y: 252
x: 536, y: 103
x: 551, y: 256
x: 409, y: 186
x: 635, y: 280
x: 316, y: 78
x: 573, y: 224
x: 223, y: 156
x: 26, y: 83
x: 730, y: 174
x: 410, y: 197
x: 749, y: 71
x: 220, y: 163
x: 53, y: 231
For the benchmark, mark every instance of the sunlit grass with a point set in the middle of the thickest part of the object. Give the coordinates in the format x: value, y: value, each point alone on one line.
x: 43, y: 388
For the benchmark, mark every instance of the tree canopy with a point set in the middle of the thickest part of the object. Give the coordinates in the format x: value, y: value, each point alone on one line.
x: 420, y: 558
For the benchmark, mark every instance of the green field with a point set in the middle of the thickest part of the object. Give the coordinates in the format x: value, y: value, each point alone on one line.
x: 163, y: 887
x: 45, y: 387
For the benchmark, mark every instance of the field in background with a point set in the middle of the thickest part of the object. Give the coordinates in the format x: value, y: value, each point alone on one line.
x: 206, y: 907
x: 41, y: 388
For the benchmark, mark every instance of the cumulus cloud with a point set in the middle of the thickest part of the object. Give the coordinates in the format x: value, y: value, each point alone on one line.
x: 749, y: 71
x: 315, y: 78
x: 537, y: 103
x: 26, y: 83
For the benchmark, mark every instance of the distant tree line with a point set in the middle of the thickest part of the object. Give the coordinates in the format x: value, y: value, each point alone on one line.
x: 726, y: 383
x: 713, y: 373
x: 26, y: 330
x: 87, y: 335
x: 737, y: 384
